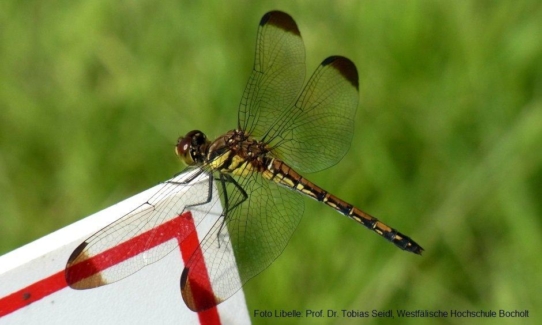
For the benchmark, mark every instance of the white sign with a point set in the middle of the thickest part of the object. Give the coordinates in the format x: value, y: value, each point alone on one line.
x: 33, y: 287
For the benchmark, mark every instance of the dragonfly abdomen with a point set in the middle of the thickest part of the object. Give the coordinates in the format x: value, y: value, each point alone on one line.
x: 282, y: 174
x: 400, y: 240
x: 279, y: 172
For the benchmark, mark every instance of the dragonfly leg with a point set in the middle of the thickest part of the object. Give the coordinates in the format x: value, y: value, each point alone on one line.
x: 209, y: 194
x: 229, y: 179
x: 188, y: 180
x: 223, y: 179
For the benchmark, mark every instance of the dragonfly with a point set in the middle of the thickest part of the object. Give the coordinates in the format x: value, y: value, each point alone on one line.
x: 285, y: 127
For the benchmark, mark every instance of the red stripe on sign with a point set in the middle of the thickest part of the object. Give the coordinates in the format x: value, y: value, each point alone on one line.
x: 190, y: 248
x: 33, y: 292
x: 182, y: 228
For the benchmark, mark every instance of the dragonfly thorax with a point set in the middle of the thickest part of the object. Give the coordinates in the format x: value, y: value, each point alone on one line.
x: 237, y: 153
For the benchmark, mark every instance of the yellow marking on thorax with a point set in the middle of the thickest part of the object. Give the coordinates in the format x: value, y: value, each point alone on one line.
x: 240, y: 166
x: 237, y: 166
x: 218, y: 162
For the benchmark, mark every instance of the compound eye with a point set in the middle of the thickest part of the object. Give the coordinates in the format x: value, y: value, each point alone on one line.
x: 183, y: 149
x: 198, y: 138
x: 190, y: 148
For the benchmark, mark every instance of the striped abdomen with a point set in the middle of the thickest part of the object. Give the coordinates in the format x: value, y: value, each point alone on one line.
x: 280, y: 173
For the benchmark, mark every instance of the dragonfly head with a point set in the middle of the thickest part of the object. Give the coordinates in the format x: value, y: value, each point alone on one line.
x: 192, y: 147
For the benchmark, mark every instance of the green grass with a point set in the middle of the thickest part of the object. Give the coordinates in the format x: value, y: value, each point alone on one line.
x: 447, y: 147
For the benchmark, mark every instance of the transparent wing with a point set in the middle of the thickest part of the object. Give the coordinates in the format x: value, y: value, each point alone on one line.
x: 277, y: 76
x: 311, y: 131
x: 316, y: 132
x: 262, y: 217
x: 94, y: 264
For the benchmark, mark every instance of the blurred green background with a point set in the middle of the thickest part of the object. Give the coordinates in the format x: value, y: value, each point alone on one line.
x: 447, y: 147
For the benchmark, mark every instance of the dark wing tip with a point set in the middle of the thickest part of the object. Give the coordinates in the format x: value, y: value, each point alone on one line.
x: 196, y: 297
x: 345, y: 67
x: 281, y: 20
x: 77, y: 252
x: 81, y: 272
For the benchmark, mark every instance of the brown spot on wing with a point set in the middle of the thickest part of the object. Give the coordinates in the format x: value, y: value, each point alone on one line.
x: 281, y: 20
x: 75, y: 254
x: 81, y: 273
x: 196, y: 296
x: 345, y: 67
x: 89, y: 283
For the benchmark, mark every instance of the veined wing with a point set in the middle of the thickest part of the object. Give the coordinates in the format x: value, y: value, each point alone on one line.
x: 260, y: 221
x: 310, y: 131
x: 190, y: 189
x: 277, y: 76
x: 317, y: 131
